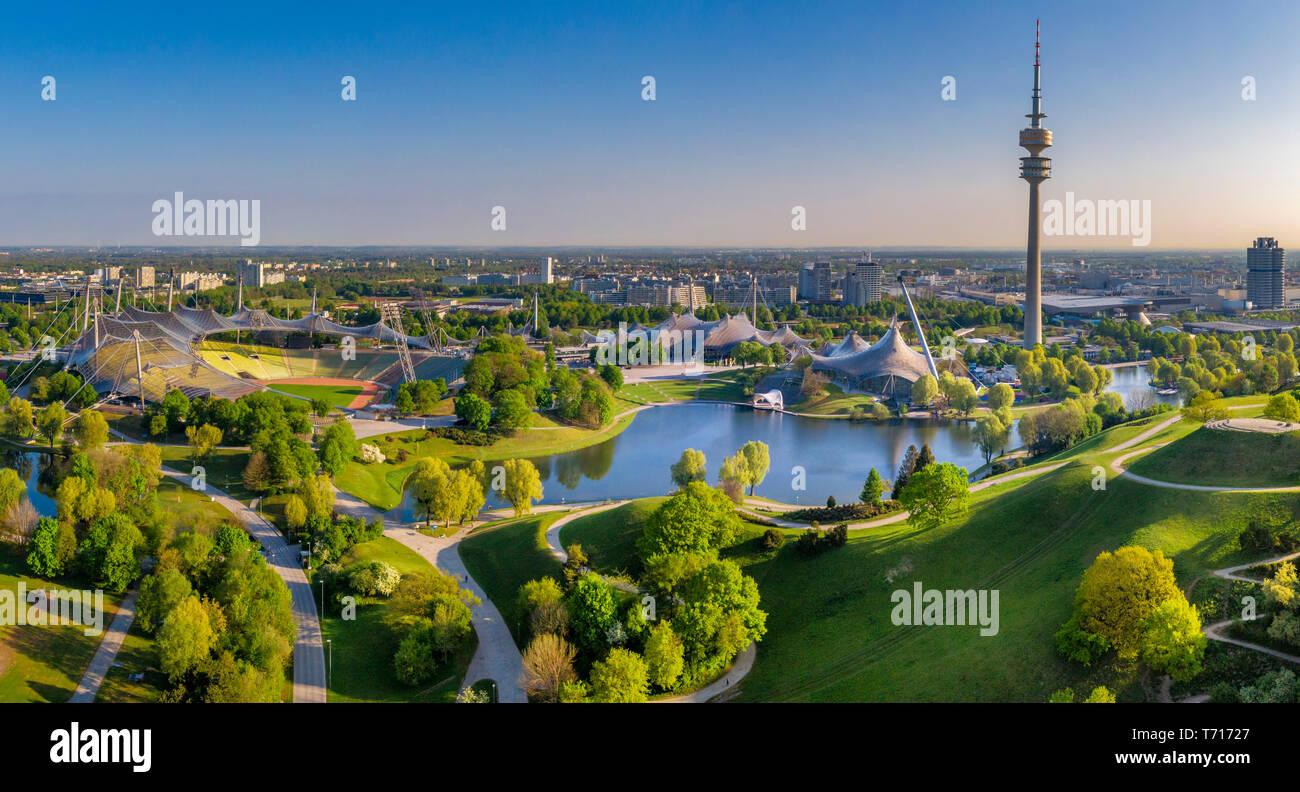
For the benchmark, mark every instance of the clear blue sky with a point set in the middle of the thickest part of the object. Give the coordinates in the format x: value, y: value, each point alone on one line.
x: 536, y: 106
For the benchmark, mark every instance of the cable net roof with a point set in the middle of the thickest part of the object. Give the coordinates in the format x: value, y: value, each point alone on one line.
x: 106, y: 353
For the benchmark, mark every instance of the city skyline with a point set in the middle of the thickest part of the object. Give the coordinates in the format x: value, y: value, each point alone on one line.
x: 737, y: 136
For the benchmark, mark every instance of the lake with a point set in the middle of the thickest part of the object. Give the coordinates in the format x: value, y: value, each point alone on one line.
x: 835, y: 455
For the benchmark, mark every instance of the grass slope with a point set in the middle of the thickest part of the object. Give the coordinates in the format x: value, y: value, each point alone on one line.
x: 504, y: 556
x: 830, y: 635
x: 1230, y: 459
x: 43, y: 663
x: 609, y: 537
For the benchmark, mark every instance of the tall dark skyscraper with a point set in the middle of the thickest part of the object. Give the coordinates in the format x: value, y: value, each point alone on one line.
x: 1266, y: 273
x: 1035, y: 169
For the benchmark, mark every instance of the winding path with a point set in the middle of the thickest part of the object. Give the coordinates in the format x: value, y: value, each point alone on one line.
x: 1213, y: 631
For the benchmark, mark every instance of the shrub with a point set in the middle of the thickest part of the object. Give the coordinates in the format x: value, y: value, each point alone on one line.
x: 772, y: 539
x: 376, y: 578
x: 370, y: 454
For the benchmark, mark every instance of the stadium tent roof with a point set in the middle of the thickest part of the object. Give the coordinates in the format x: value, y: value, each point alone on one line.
x: 850, y: 344
x: 106, y: 353
x: 888, y: 357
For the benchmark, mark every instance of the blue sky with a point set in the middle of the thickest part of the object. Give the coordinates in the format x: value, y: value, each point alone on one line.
x: 537, y: 107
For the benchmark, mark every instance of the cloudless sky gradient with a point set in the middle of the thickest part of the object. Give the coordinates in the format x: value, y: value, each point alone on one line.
x: 537, y: 107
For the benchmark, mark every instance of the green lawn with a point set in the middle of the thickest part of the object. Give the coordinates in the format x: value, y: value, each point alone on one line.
x: 335, y: 395
x: 381, y: 484
x: 137, y: 654
x: 503, y: 556
x: 43, y: 663
x: 609, y: 537
x: 1230, y: 459
x: 363, y: 648
x: 834, y: 402
x: 224, y: 468
x: 830, y: 635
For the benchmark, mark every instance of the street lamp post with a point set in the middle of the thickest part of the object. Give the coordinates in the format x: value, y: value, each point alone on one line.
x: 329, y: 680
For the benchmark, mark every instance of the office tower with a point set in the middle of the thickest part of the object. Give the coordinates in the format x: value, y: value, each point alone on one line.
x: 1266, y: 274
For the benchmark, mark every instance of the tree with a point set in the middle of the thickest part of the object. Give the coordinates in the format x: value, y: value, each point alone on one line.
x: 186, y: 638
x: 257, y: 473
x: 337, y: 447
x: 43, y: 556
x: 91, y: 429
x: 523, y: 485
x: 612, y: 375
x: 202, y: 440
x: 963, y: 397
x: 905, y: 469
x: 473, y: 410
x: 1115, y: 598
x: 548, y: 666
x: 295, y: 512
x: 665, y: 657
x: 621, y: 678
x: 428, y: 484
x: 924, y: 390
x: 18, y: 423
x: 734, y: 475
x: 1100, y: 695
x: 512, y: 410
x: 757, y: 461
x: 991, y: 435
x: 1172, y: 641
x: 175, y: 406
x: 1001, y: 395
x: 935, y: 493
x: 1282, y: 407
x: 592, y: 611
x: 924, y: 458
x: 50, y: 420
x: 697, y: 519
x: 691, y: 467
x: 1205, y: 407
x: 872, y: 488
x: 160, y: 593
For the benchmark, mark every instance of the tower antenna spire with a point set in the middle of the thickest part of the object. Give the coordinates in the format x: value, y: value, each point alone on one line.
x: 1035, y: 42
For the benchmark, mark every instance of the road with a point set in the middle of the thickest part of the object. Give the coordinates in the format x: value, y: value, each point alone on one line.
x: 308, y: 648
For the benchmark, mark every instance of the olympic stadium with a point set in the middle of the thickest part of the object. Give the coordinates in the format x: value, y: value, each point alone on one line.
x: 135, y: 354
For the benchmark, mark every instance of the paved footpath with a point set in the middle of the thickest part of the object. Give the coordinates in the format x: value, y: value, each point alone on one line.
x: 497, y: 657
x: 106, y: 653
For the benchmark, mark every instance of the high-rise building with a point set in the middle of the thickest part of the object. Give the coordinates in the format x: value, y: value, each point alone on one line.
x: 864, y: 284
x: 1035, y: 169
x: 144, y: 279
x: 252, y: 273
x: 1266, y: 274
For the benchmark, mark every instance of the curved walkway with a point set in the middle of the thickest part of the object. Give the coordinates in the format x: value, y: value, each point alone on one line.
x: 497, y: 657
x: 1212, y: 631
x: 896, y: 516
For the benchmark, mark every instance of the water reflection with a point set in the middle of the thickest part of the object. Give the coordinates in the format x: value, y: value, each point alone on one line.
x: 835, y: 455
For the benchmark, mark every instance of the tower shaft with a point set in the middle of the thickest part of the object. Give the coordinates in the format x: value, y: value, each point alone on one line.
x: 1033, y: 274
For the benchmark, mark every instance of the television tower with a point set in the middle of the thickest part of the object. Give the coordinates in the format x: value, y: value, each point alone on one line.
x: 1035, y: 169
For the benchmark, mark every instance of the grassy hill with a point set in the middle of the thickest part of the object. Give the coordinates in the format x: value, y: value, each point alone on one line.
x: 1230, y: 459
x: 830, y: 637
